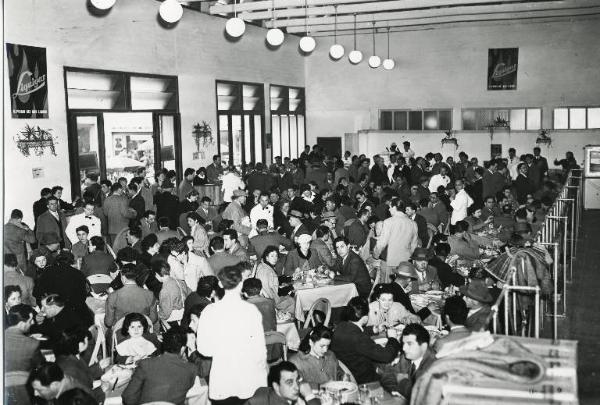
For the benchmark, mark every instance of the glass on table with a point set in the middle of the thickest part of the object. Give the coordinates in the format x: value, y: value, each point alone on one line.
x: 364, y: 393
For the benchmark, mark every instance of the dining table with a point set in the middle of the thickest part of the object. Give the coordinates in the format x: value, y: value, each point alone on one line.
x: 338, y: 293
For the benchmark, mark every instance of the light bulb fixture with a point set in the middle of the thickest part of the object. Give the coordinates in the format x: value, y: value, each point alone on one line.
x: 235, y: 27
x: 374, y: 60
x: 103, y: 4
x: 274, y: 35
x: 355, y: 56
x: 388, y: 64
x: 307, y: 43
x: 336, y: 51
x: 170, y: 11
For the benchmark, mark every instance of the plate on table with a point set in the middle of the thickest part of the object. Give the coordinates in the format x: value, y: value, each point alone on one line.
x: 347, y: 389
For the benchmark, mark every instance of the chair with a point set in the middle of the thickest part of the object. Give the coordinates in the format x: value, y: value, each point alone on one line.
x: 97, y: 279
x: 116, y: 328
x: 274, y: 337
x: 111, y: 251
x: 321, y: 304
x: 100, y: 343
x: 431, y: 230
x: 347, y: 371
x: 181, y: 232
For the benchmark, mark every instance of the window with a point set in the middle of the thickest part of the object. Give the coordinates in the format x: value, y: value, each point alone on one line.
x: 240, y: 108
x: 477, y: 119
x: 577, y: 118
x: 287, y: 121
x: 415, y: 120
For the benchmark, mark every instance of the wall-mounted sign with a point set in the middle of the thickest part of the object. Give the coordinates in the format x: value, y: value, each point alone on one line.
x: 502, y: 68
x: 28, y: 79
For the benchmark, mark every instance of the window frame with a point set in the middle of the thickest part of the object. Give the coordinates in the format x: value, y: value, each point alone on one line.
x: 568, y: 108
x: 413, y: 110
x: 299, y: 112
x: 494, y: 114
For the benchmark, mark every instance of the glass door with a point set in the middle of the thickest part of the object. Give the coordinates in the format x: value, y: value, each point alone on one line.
x: 167, y: 145
x: 85, y: 148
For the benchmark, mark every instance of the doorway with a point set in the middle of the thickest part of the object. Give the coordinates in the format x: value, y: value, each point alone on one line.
x: 114, y: 145
x: 333, y: 145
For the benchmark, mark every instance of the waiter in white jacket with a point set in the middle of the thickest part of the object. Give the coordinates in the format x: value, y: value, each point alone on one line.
x: 461, y: 202
x: 86, y: 218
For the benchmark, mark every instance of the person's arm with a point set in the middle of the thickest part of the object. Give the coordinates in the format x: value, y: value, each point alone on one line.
x: 368, y: 348
x: 109, y: 316
x: 133, y: 392
x: 382, y: 241
x: 153, y: 311
x: 415, y: 237
x: 166, y: 303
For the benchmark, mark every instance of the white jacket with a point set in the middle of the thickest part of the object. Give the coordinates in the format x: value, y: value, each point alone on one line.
x: 460, y: 204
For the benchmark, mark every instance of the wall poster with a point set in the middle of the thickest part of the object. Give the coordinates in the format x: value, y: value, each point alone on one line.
x: 27, y: 70
x: 502, y: 68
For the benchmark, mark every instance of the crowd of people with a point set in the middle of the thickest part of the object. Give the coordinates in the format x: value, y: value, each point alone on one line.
x: 189, y: 288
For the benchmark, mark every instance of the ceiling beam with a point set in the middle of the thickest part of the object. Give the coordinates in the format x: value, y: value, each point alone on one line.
x: 279, y: 4
x: 377, y: 7
x: 445, y: 19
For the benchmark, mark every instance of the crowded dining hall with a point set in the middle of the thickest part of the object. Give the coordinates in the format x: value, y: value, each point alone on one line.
x: 301, y: 202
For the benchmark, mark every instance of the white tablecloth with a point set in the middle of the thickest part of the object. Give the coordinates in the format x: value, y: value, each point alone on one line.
x: 197, y: 395
x: 292, y: 336
x: 337, y: 294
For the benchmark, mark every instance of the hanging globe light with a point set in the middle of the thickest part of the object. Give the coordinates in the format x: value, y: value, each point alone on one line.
x: 275, y: 37
x: 170, y: 11
x: 336, y: 51
x: 235, y: 27
x: 374, y: 60
x: 103, y: 4
x: 388, y: 64
x: 355, y: 56
x: 307, y: 44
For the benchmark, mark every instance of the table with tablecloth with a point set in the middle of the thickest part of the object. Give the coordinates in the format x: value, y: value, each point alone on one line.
x: 197, y: 395
x: 338, y: 295
x: 212, y: 191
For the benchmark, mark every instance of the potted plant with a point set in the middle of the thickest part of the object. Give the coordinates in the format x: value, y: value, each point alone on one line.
x: 449, y: 138
x: 543, y: 138
x: 36, y: 138
x: 498, y: 122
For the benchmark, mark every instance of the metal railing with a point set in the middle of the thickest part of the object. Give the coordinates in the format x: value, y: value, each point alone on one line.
x: 558, y: 234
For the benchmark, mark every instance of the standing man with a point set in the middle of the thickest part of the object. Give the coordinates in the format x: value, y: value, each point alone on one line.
x: 407, y: 153
x: 263, y: 210
x: 86, y: 218
x: 513, y: 162
x: 117, y: 211
x: 41, y: 205
x: 493, y: 181
x: 214, y: 171
x: 411, y: 212
x: 440, y: 179
x: 236, y: 213
x: 460, y: 203
x: 52, y: 223
x: 237, y: 347
x: 16, y: 234
x: 523, y: 185
x: 399, y: 234
x: 539, y: 168
x: 187, y: 184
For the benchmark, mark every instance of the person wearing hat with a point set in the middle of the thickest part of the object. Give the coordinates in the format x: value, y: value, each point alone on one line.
x: 427, y: 277
x: 302, y: 257
x: 403, y: 277
x: 298, y: 228
x: 235, y: 212
x: 478, y: 300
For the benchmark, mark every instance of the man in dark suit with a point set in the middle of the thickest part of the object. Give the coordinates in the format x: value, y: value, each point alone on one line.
x: 445, y: 273
x: 476, y: 188
x: 117, y: 211
x: 411, y: 212
x: 540, y: 168
x: 523, y: 184
x: 52, y: 223
x: 404, y: 276
x: 351, y: 268
x: 41, y: 205
x: 22, y: 352
x: 493, y: 180
x: 251, y: 291
x: 214, y: 170
x: 166, y: 378
x: 416, y: 358
x: 285, y: 387
x: 137, y: 202
x: 221, y: 259
x: 455, y: 316
x: 478, y: 299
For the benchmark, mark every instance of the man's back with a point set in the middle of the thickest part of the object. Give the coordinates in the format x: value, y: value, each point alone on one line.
x: 166, y: 378
x: 22, y: 352
x: 130, y: 298
x: 220, y: 260
x: 266, y: 306
x: 399, y: 234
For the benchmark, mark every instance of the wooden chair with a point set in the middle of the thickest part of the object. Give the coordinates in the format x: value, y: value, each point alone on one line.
x: 347, y: 371
x: 274, y: 337
x: 100, y: 343
x: 321, y: 304
x: 181, y: 232
x: 96, y: 279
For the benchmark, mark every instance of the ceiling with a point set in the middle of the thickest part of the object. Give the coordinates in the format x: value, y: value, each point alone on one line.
x: 320, y: 17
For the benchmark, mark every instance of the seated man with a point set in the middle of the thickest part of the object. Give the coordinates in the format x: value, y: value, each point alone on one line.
x: 404, y: 275
x: 166, y: 378
x: 232, y: 245
x: 251, y: 291
x: 416, y: 358
x: 22, y: 353
x: 455, y: 315
x: 465, y: 244
x: 220, y: 258
x: 351, y: 268
x: 98, y: 261
x: 49, y: 382
x: 445, y: 273
x: 427, y: 277
x: 284, y: 388
x: 478, y: 300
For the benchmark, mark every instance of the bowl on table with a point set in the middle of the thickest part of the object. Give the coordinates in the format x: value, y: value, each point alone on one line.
x: 348, y: 390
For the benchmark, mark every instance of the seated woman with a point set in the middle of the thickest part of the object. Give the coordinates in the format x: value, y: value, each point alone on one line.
x: 385, y: 313
x: 172, y: 294
x: 12, y: 297
x: 265, y: 272
x: 196, y: 266
x: 355, y: 348
x: 198, y: 233
x: 301, y: 258
x: 135, y: 341
x: 316, y: 363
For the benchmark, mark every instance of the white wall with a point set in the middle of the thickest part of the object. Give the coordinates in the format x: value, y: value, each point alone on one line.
x: 130, y: 39
x: 446, y: 67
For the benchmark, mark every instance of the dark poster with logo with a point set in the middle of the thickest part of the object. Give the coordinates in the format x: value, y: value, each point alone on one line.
x: 28, y: 77
x: 502, y: 68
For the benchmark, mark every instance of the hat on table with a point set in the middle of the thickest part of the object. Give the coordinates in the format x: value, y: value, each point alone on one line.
x: 406, y: 269
x: 477, y: 290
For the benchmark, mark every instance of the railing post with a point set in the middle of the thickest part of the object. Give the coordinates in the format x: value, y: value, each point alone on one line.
x: 555, y: 293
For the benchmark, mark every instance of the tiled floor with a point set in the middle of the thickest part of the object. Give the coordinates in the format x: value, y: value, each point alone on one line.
x: 583, y: 308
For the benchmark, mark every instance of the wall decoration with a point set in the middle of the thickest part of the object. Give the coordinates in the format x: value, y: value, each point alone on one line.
x: 502, y: 68
x: 36, y: 139
x: 449, y: 138
x: 27, y: 70
x: 202, y: 133
x: 544, y: 138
